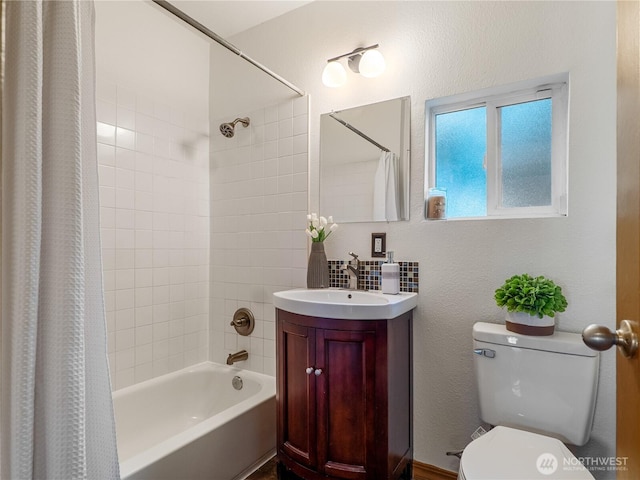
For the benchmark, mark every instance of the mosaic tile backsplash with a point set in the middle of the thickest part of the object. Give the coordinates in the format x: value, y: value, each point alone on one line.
x: 370, y: 275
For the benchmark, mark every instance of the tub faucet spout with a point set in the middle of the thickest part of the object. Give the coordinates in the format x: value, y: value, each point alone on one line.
x: 236, y: 357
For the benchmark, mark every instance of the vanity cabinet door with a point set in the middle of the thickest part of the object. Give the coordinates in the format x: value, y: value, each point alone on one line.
x: 346, y: 403
x: 297, y: 393
x: 344, y: 398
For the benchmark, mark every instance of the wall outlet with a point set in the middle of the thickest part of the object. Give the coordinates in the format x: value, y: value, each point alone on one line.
x: 378, y: 244
x: 478, y: 433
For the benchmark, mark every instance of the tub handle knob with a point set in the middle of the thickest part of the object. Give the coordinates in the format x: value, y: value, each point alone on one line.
x: 309, y: 370
x: 243, y: 321
x: 318, y: 372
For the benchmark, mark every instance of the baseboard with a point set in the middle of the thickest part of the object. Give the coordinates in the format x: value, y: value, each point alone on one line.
x: 424, y: 471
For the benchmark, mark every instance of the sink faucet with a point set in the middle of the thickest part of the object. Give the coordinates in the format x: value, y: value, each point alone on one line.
x: 354, y: 272
x: 236, y: 357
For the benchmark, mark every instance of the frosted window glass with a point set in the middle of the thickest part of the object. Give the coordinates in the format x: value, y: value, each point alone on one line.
x: 461, y: 144
x: 525, y: 142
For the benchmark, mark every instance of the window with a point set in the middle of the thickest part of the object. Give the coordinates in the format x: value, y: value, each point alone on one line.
x: 500, y: 153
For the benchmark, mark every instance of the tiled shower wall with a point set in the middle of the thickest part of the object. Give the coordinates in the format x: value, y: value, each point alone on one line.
x: 258, y: 215
x: 154, y: 205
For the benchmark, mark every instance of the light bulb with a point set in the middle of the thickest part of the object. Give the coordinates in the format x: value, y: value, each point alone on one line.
x: 371, y: 64
x: 334, y: 75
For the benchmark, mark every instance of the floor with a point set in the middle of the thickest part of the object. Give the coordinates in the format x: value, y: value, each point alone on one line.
x: 265, y: 472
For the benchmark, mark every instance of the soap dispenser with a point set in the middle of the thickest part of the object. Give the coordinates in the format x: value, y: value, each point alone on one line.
x: 390, y: 276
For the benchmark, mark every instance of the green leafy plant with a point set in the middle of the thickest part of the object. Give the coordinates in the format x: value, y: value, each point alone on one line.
x: 533, y: 295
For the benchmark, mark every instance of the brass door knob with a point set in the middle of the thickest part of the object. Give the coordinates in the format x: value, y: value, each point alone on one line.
x: 599, y: 337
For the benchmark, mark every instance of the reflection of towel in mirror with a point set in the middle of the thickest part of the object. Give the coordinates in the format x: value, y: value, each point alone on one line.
x: 385, y: 188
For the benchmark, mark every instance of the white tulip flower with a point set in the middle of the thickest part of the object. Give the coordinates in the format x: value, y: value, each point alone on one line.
x: 317, y: 227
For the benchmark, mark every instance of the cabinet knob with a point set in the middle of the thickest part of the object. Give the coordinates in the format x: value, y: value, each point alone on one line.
x: 318, y: 372
x: 309, y: 370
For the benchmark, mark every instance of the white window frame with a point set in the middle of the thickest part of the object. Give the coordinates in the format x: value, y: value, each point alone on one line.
x: 556, y: 88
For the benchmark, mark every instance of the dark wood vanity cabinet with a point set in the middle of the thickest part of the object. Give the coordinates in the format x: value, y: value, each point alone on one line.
x: 344, y: 398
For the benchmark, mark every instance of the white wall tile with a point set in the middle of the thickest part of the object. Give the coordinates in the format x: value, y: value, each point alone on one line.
x: 107, y: 175
x: 106, y: 112
x: 257, y: 198
x: 300, y: 125
x: 124, y: 178
x: 106, y: 155
x: 106, y: 133
x: 285, y: 128
x: 147, y: 183
x: 125, y: 319
x: 300, y: 144
x: 125, y: 138
x: 126, y: 118
x: 285, y: 110
x: 143, y: 316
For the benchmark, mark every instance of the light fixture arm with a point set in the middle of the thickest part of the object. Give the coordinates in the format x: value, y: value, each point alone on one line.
x: 357, y: 51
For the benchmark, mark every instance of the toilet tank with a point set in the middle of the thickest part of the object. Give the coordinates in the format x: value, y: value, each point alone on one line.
x: 546, y: 385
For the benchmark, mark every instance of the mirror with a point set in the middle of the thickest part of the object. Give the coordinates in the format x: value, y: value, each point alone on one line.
x: 364, y: 162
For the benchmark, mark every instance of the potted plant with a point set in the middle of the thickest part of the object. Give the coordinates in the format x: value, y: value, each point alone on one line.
x: 531, y: 304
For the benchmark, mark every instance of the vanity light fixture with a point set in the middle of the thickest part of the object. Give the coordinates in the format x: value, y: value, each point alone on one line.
x: 367, y: 61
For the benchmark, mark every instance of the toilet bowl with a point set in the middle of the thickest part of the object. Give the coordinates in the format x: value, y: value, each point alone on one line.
x: 538, y: 392
x: 510, y: 454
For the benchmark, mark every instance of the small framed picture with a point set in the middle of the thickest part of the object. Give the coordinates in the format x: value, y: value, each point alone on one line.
x: 378, y: 244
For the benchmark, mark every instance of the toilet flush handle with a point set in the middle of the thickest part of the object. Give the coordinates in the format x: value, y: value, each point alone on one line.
x: 485, y: 352
x: 599, y: 337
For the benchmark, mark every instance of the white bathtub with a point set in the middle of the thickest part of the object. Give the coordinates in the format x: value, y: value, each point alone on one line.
x: 192, y: 424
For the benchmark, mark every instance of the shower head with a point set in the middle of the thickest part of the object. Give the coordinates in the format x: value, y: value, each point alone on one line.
x: 227, y: 129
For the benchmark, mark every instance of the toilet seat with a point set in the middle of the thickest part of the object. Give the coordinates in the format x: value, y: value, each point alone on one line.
x: 509, y: 454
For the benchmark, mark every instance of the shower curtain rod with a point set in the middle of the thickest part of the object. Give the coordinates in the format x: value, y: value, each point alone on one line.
x: 217, y: 38
x: 358, y: 132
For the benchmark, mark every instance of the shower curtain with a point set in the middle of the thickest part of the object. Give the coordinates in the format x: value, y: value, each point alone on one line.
x: 386, y: 200
x: 56, y: 408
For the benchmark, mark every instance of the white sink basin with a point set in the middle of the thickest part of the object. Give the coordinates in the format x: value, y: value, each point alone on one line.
x: 345, y: 304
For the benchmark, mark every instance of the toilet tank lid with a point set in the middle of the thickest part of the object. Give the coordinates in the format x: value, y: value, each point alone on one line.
x: 559, y: 342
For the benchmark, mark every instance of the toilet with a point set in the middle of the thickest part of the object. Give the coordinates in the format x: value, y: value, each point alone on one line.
x: 539, y: 393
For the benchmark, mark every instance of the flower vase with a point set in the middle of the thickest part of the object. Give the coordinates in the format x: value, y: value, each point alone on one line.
x: 318, y: 267
x: 525, y: 324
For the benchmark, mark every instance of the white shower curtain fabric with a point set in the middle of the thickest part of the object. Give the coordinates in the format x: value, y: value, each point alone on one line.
x: 56, y: 408
x: 386, y: 201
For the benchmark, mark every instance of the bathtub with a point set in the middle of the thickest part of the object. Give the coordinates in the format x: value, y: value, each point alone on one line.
x: 193, y: 424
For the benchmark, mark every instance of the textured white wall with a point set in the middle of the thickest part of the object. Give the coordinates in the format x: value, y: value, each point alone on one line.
x: 435, y: 49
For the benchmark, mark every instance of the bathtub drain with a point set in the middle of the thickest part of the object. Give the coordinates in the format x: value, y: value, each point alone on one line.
x: 237, y: 382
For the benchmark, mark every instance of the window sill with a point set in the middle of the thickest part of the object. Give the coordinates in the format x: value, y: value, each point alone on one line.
x: 498, y: 217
